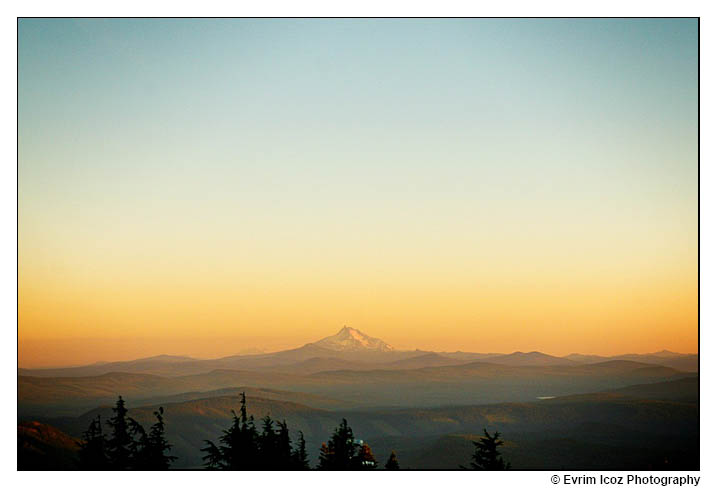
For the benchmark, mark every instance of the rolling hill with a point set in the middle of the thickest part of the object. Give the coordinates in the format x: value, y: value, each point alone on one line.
x: 600, y: 430
x: 531, y: 359
x: 477, y: 382
x: 44, y: 447
x: 679, y: 361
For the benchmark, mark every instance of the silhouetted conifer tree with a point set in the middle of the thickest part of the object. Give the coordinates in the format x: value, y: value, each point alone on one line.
x: 155, y: 446
x: 239, y: 445
x: 242, y: 447
x: 392, y: 463
x: 129, y: 446
x: 92, y: 452
x: 119, y: 445
x: 284, y: 447
x: 268, y: 445
x: 214, y: 459
x: 486, y: 455
x: 138, y: 445
x: 233, y: 446
x: 248, y: 453
x: 243, y: 411
x: 300, y: 460
x: 340, y: 451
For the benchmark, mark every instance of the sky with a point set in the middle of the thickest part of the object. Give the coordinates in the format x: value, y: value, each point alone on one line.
x: 203, y: 187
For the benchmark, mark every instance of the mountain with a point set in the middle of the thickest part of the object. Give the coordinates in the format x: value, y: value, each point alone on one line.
x: 44, y: 447
x: 68, y: 395
x: 531, y: 359
x: 141, y: 365
x: 467, y: 383
x: 493, y: 372
x: 581, y: 358
x: 190, y: 423
x: 349, y: 349
x: 680, y: 390
x: 652, y: 426
x: 320, y: 364
x: 686, y: 362
x: 310, y: 400
x: 468, y: 356
x: 352, y: 340
x: 422, y: 361
x: 625, y: 429
x: 684, y: 390
x: 669, y: 354
x: 349, y: 345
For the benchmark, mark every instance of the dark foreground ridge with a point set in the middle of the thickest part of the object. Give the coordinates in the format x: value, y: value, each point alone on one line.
x: 648, y: 426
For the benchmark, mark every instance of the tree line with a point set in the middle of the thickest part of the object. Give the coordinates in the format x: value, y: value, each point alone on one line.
x: 128, y: 447
x: 243, y: 446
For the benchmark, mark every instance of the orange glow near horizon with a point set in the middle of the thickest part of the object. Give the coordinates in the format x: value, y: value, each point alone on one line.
x: 204, y: 187
x: 90, y: 313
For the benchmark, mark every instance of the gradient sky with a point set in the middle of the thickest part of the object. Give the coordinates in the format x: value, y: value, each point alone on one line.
x: 205, y: 186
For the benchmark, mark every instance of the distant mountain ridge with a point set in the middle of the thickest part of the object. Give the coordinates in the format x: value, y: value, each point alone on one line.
x: 431, y: 385
x: 392, y: 396
x: 530, y: 359
x: 349, y: 349
x: 687, y: 362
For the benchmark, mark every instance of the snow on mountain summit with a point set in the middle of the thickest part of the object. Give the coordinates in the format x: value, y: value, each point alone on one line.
x: 350, y: 339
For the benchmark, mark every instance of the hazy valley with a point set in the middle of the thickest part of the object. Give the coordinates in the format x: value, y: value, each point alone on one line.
x: 579, y: 411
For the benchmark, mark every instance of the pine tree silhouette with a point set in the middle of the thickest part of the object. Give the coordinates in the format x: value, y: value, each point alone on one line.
x: 239, y: 445
x: 92, y: 452
x: 156, y: 445
x: 248, y: 453
x: 232, y: 447
x: 268, y: 442
x: 214, y: 459
x: 340, y: 452
x: 128, y: 447
x: 138, y: 445
x: 392, y: 463
x: 119, y: 445
x: 486, y: 455
x: 300, y: 459
x: 283, y: 448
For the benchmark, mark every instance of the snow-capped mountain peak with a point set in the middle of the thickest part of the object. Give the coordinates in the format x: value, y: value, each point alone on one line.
x: 351, y: 339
